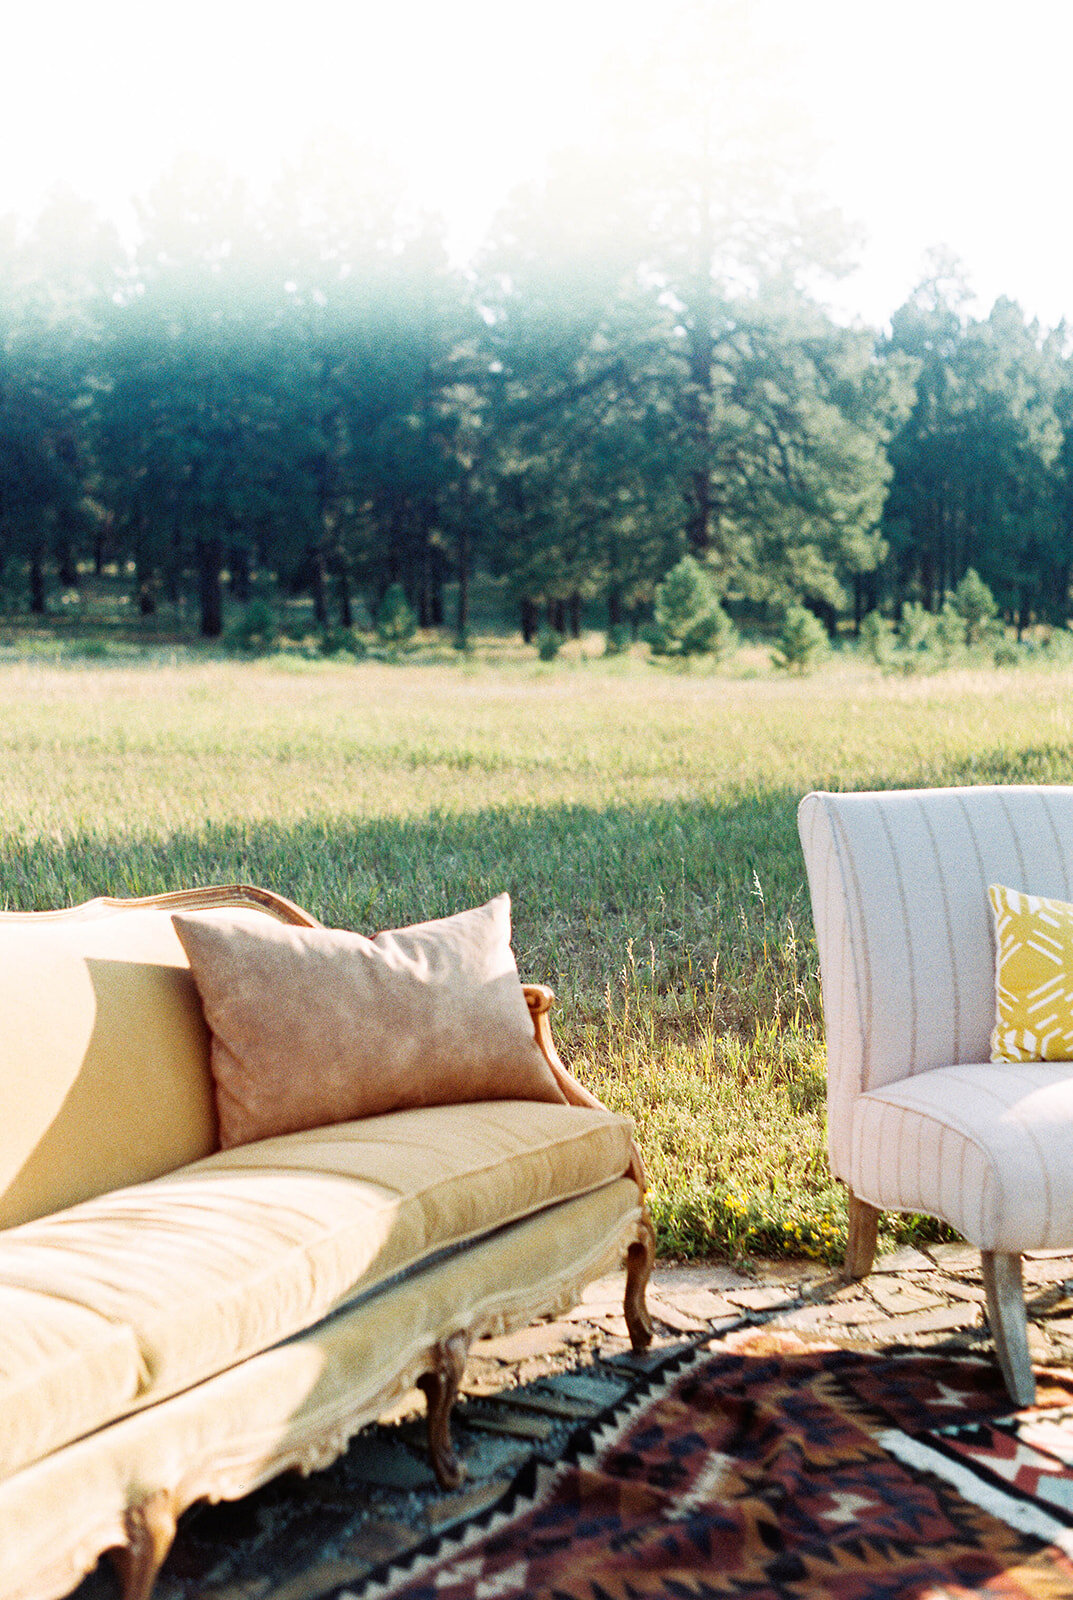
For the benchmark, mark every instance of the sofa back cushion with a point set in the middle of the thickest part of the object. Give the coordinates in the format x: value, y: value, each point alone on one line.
x: 105, y: 1054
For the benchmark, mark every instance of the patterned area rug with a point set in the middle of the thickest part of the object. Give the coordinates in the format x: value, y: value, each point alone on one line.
x: 760, y: 1471
x: 1019, y: 1468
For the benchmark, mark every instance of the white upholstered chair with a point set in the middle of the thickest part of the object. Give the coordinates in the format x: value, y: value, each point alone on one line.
x: 919, y: 1118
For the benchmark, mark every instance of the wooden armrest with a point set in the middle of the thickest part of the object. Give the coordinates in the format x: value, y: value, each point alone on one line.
x: 540, y: 999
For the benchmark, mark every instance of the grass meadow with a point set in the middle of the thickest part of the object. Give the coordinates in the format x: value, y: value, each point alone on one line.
x: 642, y: 819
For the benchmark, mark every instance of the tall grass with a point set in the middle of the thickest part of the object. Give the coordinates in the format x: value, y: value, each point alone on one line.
x: 643, y: 822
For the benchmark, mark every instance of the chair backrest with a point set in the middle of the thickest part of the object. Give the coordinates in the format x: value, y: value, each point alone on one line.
x: 899, y: 885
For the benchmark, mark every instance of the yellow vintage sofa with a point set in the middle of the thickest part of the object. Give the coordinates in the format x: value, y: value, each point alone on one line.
x: 188, y: 1308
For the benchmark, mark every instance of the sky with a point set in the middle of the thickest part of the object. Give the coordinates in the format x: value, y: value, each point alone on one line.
x: 937, y: 123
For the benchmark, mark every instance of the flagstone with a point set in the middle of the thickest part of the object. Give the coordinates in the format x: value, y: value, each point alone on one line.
x: 538, y: 1340
x: 591, y: 1310
x: 526, y: 1391
x: 240, y: 1589
x: 587, y: 1386
x: 1060, y: 1328
x: 613, y: 1326
x: 761, y: 1299
x: 936, y: 1320
x: 964, y: 1291
x: 379, y: 1457
x: 851, y: 1312
x: 1042, y: 1269
x: 319, y: 1579
x: 905, y: 1260
x: 701, y: 1303
x: 378, y: 1539
x: 605, y: 1290
x: 802, y: 1317
x: 468, y: 1501
x: 900, y: 1295
x: 502, y: 1418
x: 689, y: 1278
x: 493, y: 1454
x: 670, y: 1314
x: 553, y: 1404
x: 955, y: 1257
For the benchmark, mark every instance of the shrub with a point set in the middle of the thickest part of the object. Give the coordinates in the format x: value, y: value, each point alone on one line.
x: 689, y: 619
x: 618, y: 640
x: 396, y: 623
x: 340, y: 641
x: 803, y: 641
x: 549, y: 642
x: 975, y: 605
x: 948, y: 629
x: 1057, y: 646
x: 915, y: 627
x: 90, y: 649
x: 876, y: 639
x: 256, y: 630
x: 1008, y: 653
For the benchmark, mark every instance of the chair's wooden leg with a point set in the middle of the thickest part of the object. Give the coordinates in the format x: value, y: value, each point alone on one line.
x: 1008, y: 1321
x: 441, y: 1391
x: 640, y: 1259
x: 861, y: 1239
x: 150, y: 1531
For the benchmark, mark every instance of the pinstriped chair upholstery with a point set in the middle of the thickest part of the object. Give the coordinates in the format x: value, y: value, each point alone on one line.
x: 919, y: 1119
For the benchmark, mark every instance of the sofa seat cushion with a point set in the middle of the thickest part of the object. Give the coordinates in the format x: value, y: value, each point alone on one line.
x: 986, y: 1147
x: 299, y: 1402
x: 220, y: 1260
x: 61, y: 1367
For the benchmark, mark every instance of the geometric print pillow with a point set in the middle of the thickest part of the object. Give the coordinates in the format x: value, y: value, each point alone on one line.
x: 1033, y: 977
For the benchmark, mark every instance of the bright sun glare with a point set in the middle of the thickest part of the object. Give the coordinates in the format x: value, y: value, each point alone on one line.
x: 937, y: 129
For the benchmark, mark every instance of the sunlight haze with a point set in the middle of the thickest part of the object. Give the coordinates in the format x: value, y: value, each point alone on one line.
x: 931, y: 129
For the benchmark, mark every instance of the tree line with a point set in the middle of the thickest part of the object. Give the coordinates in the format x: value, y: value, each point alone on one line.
x: 302, y: 392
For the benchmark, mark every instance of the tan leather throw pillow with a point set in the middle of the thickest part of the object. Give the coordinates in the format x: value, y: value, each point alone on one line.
x: 318, y: 1025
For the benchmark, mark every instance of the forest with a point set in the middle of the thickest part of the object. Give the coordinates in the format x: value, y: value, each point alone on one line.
x: 300, y: 392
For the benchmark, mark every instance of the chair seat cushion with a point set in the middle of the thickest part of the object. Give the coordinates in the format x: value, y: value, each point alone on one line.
x: 226, y: 1257
x: 987, y: 1147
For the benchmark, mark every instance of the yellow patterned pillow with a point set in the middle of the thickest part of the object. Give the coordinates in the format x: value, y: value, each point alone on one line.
x: 1033, y: 977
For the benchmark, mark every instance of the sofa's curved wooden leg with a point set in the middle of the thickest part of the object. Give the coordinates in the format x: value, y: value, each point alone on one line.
x: 640, y: 1259
x: 1008, y: 1321
x: 441, y: 1391
x: 862, y: 1238
x: 150, y: 1528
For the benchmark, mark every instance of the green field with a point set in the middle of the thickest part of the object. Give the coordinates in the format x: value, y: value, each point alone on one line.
x: 642, y: 820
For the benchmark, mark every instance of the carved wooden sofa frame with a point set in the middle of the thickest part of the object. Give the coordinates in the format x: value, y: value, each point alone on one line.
x: 588, y: 1236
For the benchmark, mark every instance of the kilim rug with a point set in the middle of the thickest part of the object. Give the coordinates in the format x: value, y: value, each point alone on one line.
x: 757, y: 1471
x: 1019, y: 1467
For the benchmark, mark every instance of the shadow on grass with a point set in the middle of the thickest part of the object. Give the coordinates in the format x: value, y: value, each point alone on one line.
x: 692, y: 883
x: 684, y: 890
